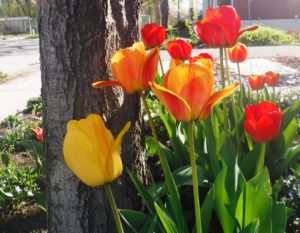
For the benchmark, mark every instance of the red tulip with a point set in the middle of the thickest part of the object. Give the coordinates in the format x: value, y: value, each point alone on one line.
x: 256, y: 82
x: 201, y: 56
x: 263, y: 121
x: 179, y: 49
x: 153, y: 35
x: 272, y: 78
x: 238, y: 53
x: 39, y: 133
x: 220, y: 27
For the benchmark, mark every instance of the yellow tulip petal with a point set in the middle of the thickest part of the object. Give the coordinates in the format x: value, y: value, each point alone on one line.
x: 214, y: 99
x: 114, y: 164
x: 81, y: 158
x: 174, y: 103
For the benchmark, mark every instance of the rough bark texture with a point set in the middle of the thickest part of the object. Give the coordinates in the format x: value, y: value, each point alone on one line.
x: 77, y: 38
x: 165, y: 13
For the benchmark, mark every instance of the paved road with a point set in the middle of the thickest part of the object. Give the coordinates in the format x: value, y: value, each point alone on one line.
x: 20, y: 59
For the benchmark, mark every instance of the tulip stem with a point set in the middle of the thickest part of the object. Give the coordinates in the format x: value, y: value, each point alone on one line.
x: 175, y: 200
x: 113, y: 207
x: 194, y: 178
x: 261, y: 159
x: 223, y: 86
x: 161, y: 66
x: 274, y: 98
x: 241, y: 84
x: 235, y: 119
x: 257, y: 96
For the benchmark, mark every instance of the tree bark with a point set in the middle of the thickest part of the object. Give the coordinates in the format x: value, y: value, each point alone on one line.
x: 164, y: 13
x: 157, y: 10
x: 77, y: 38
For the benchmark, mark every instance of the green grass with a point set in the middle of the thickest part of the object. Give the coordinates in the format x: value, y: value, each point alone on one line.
x: 32, y: 36
x: 266, y: 36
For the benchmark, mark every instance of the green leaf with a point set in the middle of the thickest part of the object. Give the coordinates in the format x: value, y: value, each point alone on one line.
x: 206, y: 209
x: 167, y: 222
x: 146, y: 197
x: 255, y: 202
x: 290, y: 113
x: 279, y: 218
x: 5, y: 195
x: 137, y: 220
x: 249, y: 161
x: 253, y: 227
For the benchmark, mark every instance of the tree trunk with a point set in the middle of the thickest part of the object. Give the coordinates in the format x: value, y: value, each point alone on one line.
x: 77, y: 38
x: 164, y: 13
x: 157, y: 10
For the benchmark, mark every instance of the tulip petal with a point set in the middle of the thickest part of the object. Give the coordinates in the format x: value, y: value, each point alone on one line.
x: 114, y: 164
x: 149, y: 67
x: 81, y: 158
x: 174, y: 103
x: 214, y: 99
x: 101, y: 84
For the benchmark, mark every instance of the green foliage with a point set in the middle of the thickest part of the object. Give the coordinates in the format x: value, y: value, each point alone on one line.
x: 32, y: 36
x: 3, y: 76
x: 34, y: 106
x: 17, y: 184
x: 266, y: 36
x: 14, y: 8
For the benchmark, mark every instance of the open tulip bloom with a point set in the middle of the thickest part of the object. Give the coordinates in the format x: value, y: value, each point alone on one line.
x: 132, y: 68
x: 220, y: 27
x: 187, y: 90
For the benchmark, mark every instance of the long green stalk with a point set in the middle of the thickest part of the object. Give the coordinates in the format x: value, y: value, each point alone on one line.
x: 194, y: 178
x: 175, y: 200
x: 261, y: 159
x: 113, y: 207
x: 241, y: 84
x: 223, y: 86
x: 161, y: 66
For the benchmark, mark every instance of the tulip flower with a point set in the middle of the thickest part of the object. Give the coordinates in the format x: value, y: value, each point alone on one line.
x: 201, y: 56
x: 153, y: 35
x: 220, y: 27
x: 132, y: 68
x: 272, y: 78
x: 238, y: 53
x: 256, y: 82
x: 263, y: 121
x: 39, y: 133
x: 187, y: 90
x: 91, y: 152
x: 179, y: 49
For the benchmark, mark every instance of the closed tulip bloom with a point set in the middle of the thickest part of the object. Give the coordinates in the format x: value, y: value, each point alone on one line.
x: 132, y: 68
x: 256, y: 82
x: 91, y: 152
x: 179, y: 49
x: 187, y: 90
x: 39, y: 133
x: 263, y: 121
x: 272, y: 78
x: 238, y: 53
x: 220, y: 27
x: 153, y: 35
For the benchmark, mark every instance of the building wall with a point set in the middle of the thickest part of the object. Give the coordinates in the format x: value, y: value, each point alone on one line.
x: 268, y: 9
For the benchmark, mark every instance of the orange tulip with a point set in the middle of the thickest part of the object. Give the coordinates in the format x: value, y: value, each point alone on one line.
x: 187, y: 90
x: 201, y: 56
x: 220, y: 27
x: 238, y: 53
x: 256, y: 82
x: 272, y: 78
x: 132, y: 68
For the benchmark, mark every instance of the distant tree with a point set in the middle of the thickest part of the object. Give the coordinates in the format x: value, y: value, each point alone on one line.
x: 157, y: 11
x: 225, y: 2
x: 16, y: 8
x: 165, y: 13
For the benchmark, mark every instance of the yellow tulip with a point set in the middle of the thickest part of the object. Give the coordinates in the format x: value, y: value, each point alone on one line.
x: 91, y: 152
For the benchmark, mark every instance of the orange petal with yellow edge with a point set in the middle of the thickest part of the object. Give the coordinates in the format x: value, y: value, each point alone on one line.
x: 150, y: 67
x: 214, y: 99
x: 101, y: 84
x: 177, y: 106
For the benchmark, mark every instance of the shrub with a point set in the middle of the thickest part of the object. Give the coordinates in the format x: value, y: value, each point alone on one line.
x: 266, y: 36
